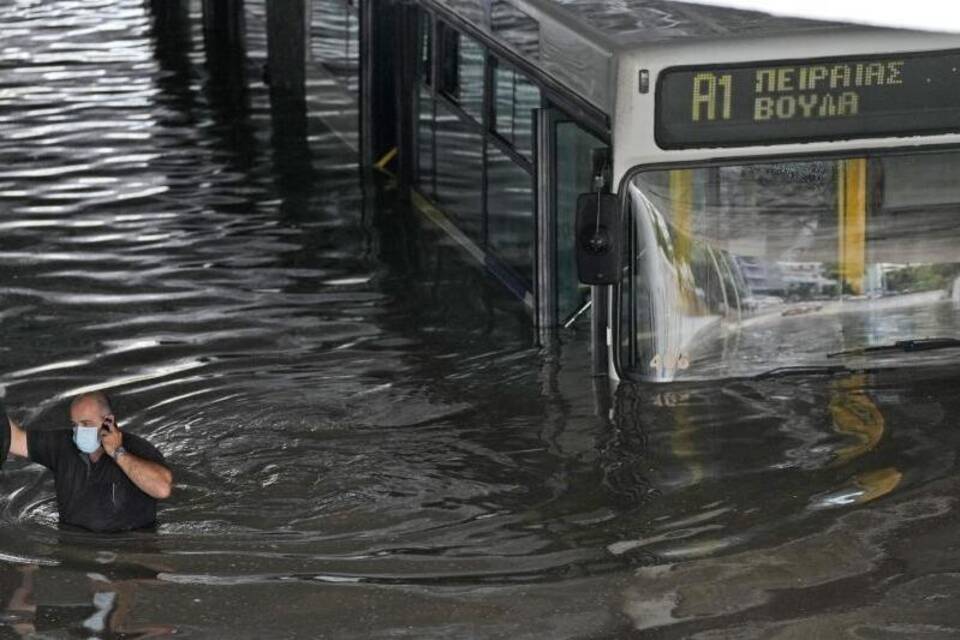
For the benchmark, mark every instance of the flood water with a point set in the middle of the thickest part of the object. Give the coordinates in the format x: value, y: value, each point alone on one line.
x: 366, y: 443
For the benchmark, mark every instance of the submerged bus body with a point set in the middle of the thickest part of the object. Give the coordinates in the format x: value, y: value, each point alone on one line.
x: 786, y: 190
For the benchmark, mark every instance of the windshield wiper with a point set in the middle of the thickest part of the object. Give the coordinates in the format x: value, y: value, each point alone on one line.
x: 905, y: 346
x: 803, y: 370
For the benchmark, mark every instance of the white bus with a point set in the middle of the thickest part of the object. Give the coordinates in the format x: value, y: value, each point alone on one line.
x: 779, y: 195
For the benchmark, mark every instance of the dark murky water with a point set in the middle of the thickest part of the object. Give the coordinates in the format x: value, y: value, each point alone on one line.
x: 365, y: 443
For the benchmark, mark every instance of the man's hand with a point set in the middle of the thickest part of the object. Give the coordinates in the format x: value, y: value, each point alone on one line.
x: 18, y: 438
x: 110, y: 435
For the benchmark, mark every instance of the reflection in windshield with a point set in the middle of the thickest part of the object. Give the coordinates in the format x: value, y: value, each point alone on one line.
x: 733, y: 271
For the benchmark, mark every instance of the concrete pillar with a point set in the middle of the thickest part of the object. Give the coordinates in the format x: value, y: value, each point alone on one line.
x: 223, y: 37
x: 292, y: 158
x: 223, y: 18
x: 287, y: 46
x: 172, y: 36
x: 226, y: 89
x: 170, y: 16
x: 388, y: 64
x: 407, y: 95
x: 287, y: 37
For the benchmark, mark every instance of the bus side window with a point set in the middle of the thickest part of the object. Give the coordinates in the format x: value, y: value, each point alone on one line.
x: 449, y: 54
x: 462, y: 61
x: 514, y: 101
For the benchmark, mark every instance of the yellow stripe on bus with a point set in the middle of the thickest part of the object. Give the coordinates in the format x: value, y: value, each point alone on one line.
x: 852, y: 209
x: 681, y: 197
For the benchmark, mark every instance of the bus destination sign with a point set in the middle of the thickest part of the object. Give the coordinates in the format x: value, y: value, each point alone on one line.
x: 810, y: 100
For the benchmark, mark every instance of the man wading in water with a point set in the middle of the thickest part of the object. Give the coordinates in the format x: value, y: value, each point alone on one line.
x: 106, y: 480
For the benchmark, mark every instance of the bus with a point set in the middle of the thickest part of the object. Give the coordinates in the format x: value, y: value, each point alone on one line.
x: 724, y: 193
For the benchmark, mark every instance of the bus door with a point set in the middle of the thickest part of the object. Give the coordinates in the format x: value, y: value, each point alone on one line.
x: 570, y: 161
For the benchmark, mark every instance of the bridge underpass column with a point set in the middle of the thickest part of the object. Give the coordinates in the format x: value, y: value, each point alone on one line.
x: 226, y: 89
x: 388, y: 81
x: 223, y: 38
x: 172, y: 38
x: 287, y: 38
x: 287, y: 47
x: 171, y: 20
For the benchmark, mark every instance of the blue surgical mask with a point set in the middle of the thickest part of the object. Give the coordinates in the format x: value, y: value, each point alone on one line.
x: 87, y: 439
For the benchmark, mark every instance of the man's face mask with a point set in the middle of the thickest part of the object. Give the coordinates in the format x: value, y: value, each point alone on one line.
x: 87, y: 439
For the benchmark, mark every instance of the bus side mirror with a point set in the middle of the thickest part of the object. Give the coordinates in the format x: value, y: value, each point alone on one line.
x: 598, y: 239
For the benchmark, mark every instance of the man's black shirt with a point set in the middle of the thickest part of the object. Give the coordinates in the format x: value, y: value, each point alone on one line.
x: 4, y: 433
x: 95, y: 495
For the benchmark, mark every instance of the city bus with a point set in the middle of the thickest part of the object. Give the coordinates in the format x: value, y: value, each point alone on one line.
x: 724, y: 193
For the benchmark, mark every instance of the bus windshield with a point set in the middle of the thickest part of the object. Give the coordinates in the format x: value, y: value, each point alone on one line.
x: 742, y: 270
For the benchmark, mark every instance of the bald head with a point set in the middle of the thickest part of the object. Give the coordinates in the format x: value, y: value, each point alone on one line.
x: 90, y: 409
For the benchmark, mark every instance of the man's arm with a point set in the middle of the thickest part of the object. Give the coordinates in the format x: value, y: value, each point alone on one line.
x: 153, y: 478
